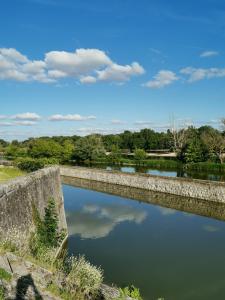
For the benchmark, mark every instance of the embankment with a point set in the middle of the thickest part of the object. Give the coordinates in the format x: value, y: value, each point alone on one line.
x: 192, y: 188
x: 17, y: 196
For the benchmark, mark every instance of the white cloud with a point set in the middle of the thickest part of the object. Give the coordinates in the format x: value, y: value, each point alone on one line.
x: 119, y: 73
x: 13, y: 55
x: 85, y: 65
x: 143, y: 123
x: 209, y: 53
x: 70, y: 117
x: 88, y: 79
x: 2, y: 117
x: 25, y: 123
x: 196, y: 74
x: 161, y: 79
x: 118, y: 122
x: 3, y: 124
x: 28, y: 116
x: 80, y: 62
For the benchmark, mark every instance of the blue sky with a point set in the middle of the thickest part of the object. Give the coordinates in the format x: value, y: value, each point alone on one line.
x: 77, y: 67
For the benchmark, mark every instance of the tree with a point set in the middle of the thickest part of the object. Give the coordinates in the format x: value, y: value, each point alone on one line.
x: 139, y: 155
x: 67, y: 151
x: 115, y: 154
x: 45, y: 148
x: 89, y: 148
x: 215, y: 142
x: 194, y: 152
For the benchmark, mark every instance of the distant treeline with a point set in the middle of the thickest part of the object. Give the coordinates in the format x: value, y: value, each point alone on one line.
x: 192, y: 145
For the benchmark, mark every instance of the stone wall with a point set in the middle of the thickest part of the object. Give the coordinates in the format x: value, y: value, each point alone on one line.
x: 200, y: 207
x: 192, y: 188
x: 16, y: 197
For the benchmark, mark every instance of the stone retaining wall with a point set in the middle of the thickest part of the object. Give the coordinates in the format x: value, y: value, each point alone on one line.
x: 192, y: 188
x: 16, y: 197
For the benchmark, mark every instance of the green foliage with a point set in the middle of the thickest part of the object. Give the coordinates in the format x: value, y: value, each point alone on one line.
x: 2, y: 293
x: 130, y: 291
x: 194, y: 152
x: 30, y: 164
x: 83, y: 280
x: 45, y: 148
x: 139, y: 155
x: 89, y: 148
x: 13, y: 151
x: 5, y: 275
x: 115, y: 155
x: 46, y: 234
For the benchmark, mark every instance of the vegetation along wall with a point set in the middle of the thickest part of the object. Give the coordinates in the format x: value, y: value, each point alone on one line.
x: 206, y: 190
x: 17, y: 197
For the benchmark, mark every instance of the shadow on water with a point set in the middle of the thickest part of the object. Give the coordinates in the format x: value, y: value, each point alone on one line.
x: 191, y: 205
x: 23, y: 284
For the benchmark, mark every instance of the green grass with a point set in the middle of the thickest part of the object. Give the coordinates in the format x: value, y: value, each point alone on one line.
x: 2, y: 296
x: 7, y: 173
x: 206, y: 166
x: 5, y: 275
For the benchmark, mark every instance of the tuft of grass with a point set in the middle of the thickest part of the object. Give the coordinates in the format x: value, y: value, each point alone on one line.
x: 5, y: 275
x: 2, y: 293
x: 7, y: 173
x: 130, y: 291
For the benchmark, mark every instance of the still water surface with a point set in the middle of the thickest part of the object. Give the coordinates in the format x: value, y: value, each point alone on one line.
x: 160, y: 172
x: 164, y: 252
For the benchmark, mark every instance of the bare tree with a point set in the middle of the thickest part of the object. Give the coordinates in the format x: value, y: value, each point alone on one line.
x: 178, y: 131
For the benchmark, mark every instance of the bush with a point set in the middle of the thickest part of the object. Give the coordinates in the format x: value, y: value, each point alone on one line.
x: 47, y: 234
x: 83, y: 279
x: 31, y: 164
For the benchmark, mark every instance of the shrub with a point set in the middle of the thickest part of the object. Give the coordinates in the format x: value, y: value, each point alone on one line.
x: 83, y: 279
x: 139, y: 155
x: 47, y: 234
x: 31, y: 164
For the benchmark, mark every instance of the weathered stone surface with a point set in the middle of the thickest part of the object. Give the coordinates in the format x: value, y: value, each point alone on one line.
x: 29, y: 281
x: 109, y: 292
x: 192, y: 188
x: 17, y: 196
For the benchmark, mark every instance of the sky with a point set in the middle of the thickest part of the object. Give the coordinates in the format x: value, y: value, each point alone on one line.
x: 85, y: 66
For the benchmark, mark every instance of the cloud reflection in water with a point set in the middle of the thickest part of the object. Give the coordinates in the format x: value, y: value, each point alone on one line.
x: 95, y: 221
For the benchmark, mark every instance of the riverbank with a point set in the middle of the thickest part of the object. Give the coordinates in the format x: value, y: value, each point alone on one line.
x: 165, y: 164
x: 193, y: 188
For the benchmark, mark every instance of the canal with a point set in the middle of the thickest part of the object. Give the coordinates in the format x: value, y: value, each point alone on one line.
x: 166, y: 252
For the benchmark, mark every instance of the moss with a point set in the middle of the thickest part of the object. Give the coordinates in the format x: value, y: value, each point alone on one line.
x: 5, y: 275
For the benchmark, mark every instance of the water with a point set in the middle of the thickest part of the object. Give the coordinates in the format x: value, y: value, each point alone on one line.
x: 165, y: 252
x: 161, y: 172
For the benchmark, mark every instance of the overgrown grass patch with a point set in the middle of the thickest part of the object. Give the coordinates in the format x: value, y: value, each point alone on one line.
x: 7, y: 173
x: 5, y: 275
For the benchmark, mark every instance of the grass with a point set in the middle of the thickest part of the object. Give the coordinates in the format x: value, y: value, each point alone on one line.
x: 7, y: 173
x: 2, y: 294
x: 5, y: 275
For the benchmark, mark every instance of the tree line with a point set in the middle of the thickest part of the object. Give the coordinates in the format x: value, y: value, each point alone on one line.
x: 190, y: 144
